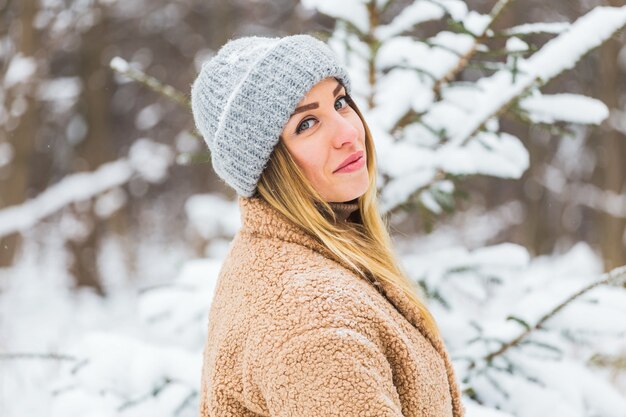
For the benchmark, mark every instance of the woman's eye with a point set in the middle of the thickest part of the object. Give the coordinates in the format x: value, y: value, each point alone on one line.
x: 341, y: 103
x: 345, y: 98
x: 299, y: 128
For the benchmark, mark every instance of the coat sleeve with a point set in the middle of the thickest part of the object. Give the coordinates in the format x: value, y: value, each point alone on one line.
x: 330, y: 372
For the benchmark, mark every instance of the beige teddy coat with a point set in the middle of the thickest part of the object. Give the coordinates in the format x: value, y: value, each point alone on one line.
x: 294, y: 333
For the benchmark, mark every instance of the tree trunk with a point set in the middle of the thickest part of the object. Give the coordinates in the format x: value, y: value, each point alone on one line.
x: 15, y: 181
x: 95, y: 149
x: 614, y: 156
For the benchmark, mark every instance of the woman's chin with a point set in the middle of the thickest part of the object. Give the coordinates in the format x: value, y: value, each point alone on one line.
x: 348, y: 194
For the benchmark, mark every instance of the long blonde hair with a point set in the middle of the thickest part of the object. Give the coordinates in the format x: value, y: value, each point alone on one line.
x: 364, y: 246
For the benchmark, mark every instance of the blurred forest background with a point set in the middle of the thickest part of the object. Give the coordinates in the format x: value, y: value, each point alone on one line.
x: 73, y: 113
x: 106, y: 189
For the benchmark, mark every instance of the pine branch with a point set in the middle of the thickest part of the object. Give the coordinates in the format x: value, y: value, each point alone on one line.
x: 153, y: 393
x: 534, y: 81
x: 29, y: 355
x: 187, y: 402
x: 386, y: 6
x: 503, y: 109
x: 495, y: 13
x: 410, y: 202
x: 615, y: 277
x: 461, y: 64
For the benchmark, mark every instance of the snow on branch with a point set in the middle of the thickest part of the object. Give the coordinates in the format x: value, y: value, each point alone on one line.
x: 479, y: 26
x: 122, y: 375
x: 124, y: 372
x: 414, y: 14
x: 73, y: 188
x: 424, y: 121
x: 615, y: 277
x: 147, y: 159
x: 561, y: 53
x: 543, y: 27
x: 484, y: 297
x: 353, y: 12
x: 573, y: 108
x: 588, y: 32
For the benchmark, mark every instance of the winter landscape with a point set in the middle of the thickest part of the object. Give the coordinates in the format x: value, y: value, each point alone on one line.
x: 500, y: 131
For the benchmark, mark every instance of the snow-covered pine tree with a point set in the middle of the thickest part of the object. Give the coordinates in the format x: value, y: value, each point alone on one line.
x: 522, y: 331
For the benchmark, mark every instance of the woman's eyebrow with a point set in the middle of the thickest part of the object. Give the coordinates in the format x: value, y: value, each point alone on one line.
x: 336, y: 90
x: 315, y: 105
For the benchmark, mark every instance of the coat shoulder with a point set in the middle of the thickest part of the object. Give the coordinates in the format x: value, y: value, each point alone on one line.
x: 290, y: 289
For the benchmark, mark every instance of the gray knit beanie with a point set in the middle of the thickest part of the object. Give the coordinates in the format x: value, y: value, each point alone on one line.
x: 245, y: 94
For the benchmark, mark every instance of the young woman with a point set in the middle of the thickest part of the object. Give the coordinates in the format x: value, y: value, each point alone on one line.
x: 312, y: 314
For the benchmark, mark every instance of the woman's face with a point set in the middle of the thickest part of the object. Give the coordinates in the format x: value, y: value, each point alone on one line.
x: 322, y: 134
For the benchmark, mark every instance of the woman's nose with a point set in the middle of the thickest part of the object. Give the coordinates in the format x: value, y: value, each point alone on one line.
x: 343, y: 131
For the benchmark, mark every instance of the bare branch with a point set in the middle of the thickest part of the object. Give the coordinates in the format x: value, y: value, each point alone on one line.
x: 607, y: 361
x: 121, y: 66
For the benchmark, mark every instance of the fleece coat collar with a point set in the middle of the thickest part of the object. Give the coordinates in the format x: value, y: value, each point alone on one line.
x: 292, y: 332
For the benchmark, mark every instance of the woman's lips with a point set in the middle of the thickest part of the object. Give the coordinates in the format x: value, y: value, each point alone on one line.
x: 354, y: 166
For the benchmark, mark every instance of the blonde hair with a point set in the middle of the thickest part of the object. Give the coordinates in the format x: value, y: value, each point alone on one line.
x: 364, y: 246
